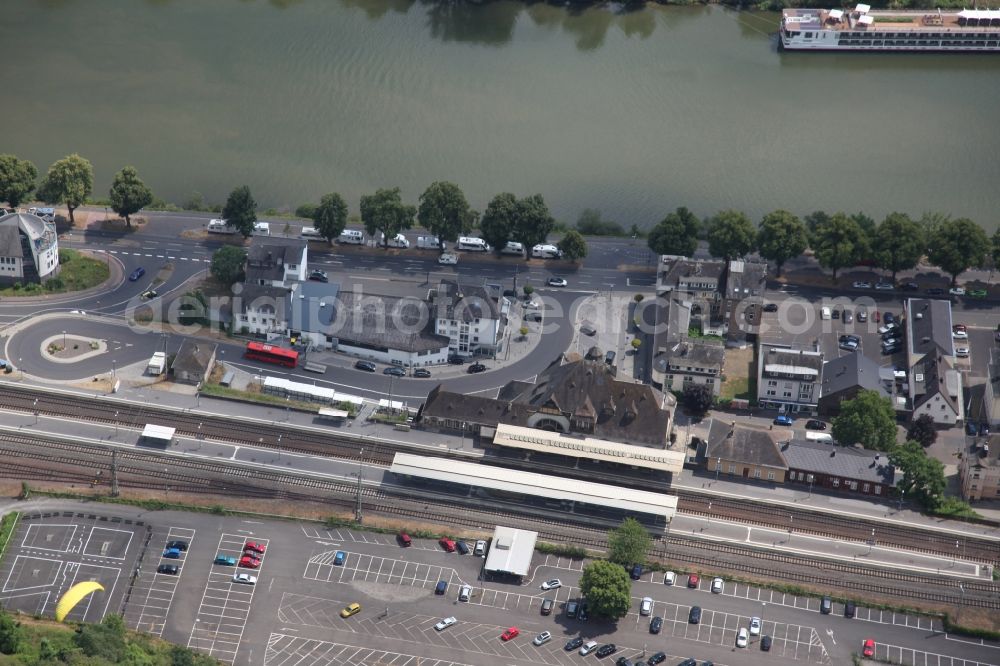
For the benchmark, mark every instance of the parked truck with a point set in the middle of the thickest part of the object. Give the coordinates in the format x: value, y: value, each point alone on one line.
x: 157, y: 364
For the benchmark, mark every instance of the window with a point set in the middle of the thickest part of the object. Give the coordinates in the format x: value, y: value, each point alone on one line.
x: 770, y: 476
x: 772, y: 383
x: 786, y: 394
x: 756, y: 474
x: 878, y: 490
x: 771, y: 392
x: 836, y: 483
x: 732, y: 469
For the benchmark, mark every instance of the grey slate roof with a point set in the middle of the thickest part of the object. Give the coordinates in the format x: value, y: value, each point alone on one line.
x: 933, y: 368
x: 10, y: 242
x: 849, y: 371
x: 745, y: 279
x: 696, y: 353
x: 193, y: 356
x: 253, y: 296
x: 268, y: 251
x: 312, y: 306
x: 931, y: 329
x: 386, y: 321
x: 838, y: 461
x: 464, y: 301
x: 750, y: 444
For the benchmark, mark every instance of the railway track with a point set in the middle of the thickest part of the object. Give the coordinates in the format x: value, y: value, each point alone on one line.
x: 274, y: 435
x: 84, y: 464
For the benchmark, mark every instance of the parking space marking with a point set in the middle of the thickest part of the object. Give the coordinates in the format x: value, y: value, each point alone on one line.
x: 21, y: 561
x: 81, y: 612
x: 909, y: 657
x: 284, y: 650
x: 372, y: 568
x: 147, y: 610
x: 225, y: 605
x: 107, y: 544
x: 49, y: 528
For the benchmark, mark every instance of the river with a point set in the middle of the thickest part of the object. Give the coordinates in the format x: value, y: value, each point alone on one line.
x: 632, y: 113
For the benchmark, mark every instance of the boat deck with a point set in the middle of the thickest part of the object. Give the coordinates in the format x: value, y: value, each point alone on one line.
x: 967, y: 21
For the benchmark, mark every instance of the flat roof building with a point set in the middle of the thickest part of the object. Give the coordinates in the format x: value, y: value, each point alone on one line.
x: 511, y: 551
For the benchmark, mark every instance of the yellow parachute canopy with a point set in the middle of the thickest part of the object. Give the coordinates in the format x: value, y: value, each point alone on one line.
x: 73, y: 596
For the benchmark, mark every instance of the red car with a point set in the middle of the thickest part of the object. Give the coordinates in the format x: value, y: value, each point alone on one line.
x: 868, y: 647
x: 513, y: 632
x: 249, y: 562
x: 447, y: 544
x: 693, y: 581
x: 254, y: 546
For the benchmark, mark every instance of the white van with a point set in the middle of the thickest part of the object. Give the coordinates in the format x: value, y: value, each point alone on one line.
x: 430, y: 243
x: 311, y: 233
x: 514, y: 248
x: 219, y: 227
x: 824, y: 313
x: 261, y: 229
x: 448, y: 259
x: 473, y: 244
x: 813, y: 436
x: 351, y: 237
x: 398, y: 241
x: 546, y: 252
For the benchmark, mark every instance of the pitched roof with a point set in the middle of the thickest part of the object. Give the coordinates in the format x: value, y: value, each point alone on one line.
x: 269, y: 250
x: 463, y: 407
x: 10, y: 242
x: 929, y: 324
x: 463, y: 301
x: 193, y: 356
x: 697, y: 353
x: 931, y: 376
x: 386, y: 321
x: 850, y: 371
x: 740, y: 442
x: 253, y: 296
x: 840, y: 461
x: 745, y: 278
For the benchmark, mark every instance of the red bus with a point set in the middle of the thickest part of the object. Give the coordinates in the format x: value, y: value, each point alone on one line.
x: 271, y: 354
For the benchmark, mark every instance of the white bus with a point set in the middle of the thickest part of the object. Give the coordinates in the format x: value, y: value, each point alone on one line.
x: 219, y: 227
x: 351, y: 237
x: 472, y: 244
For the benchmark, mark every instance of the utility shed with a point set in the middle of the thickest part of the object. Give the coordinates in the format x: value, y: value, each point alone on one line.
x: 157, y: 364
x: 154, y: 434
x: 511, y: 551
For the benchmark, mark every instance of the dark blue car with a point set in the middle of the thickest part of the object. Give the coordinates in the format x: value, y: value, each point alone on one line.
x: 339, y: 558
x: 783, y: 420
x: 136, y: 274
x: 172, y: 553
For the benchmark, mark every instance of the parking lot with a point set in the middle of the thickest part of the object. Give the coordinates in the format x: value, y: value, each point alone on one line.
x: 153, y: 592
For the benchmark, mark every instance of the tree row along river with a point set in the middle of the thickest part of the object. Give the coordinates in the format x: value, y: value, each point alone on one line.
x: 630, y: 112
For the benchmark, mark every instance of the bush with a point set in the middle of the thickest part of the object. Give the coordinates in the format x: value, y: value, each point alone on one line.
x: 307, y: 210
x: 590, y: 223
x: 105, y: 640
x: 563, y: 550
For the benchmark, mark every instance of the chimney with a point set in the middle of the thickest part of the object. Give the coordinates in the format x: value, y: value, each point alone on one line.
x: 833, y: 453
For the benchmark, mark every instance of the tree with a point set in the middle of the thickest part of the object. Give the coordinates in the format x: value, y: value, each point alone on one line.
x: 497, y: 225
x: 730, y: 235
x: 698, y: 398
x: 636, y: 343
x: 781, y: 237
x: 227, y: 264
x: 445, y: 212
x: 607, y: 588
x: 676, y: 234
x: 629, y: 543
x: 922, y: 430
x: 129, y: 194
x: 528, y: 290
x: 867, y: 226
x: 11, y: 634
x: 930, y: 222
x: 957, y: 245
x: 330, y: 216
x: 523, y: 331
x: 898, y: 243
x: 995, y: 250
x: 591, y: 223
x: 307, y: 210
x: 814, y: 221
x: 69, y: 181
x: 923, y: 477
x: 385, y: 211
x: 573, y: 246
x: 532, y: 221
x: 868, y: 419
x: 105, y: 640
x: 17, y: 179
x: 839, y: 243
x: 240, y: 211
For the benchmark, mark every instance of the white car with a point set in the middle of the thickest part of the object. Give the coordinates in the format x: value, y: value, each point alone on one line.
x: 448, y: 259
x: 557, y: 282
x: 246, y: 579
x: 716, y: 586
x: 553, y: 584
x: 884, y: 286
x: 542, y: 638
x: 862, y: 285
x: 588, y: 647
x: 445, y: 623
x: 646, y: 607
x: 962, y: 351
x: 480, y: 548
x: 669, y: 578
x: 742, y: 639
x: 755, y: 626
x: 960, y: 335
x: 886, y: 328
x: 957, y: 291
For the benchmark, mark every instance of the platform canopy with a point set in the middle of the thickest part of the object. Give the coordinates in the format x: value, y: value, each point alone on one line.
x: 158, y: 432
x: 544, y: 441
x: 863, y: 9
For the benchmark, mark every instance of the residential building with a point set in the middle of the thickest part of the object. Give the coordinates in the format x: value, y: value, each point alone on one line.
x: 928, y: 327
x: 789, y: 380
x: 388, y: 329
x: 979, y: 470
x: 745, y: 451
x: 29, y: 248
x: 693, y: 362
x: 276, y: 262
x: 473, y: 319
x: 839, y: 468
x: 699, y: 284
x: 194, y: 361
x: 746, y: 282
x: 990, y: 412
x: 936, y: 388
x: 844, y: 377
x: 310, y: 311
x: 260, y: 310
x: 578, y: 396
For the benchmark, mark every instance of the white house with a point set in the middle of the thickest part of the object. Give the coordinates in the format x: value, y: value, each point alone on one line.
x: 276, y: 262
x: 472, y: 318
x: 692, y: 362
x: 29, y: 248
x: 789, y: 380
x: 260, y: 310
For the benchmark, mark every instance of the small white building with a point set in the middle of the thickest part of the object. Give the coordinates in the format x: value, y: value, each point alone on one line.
x: 511, y: 551
x: 474, y: 320
x: 260, y: 310
x: 29, y: 248
x: 789, y: 380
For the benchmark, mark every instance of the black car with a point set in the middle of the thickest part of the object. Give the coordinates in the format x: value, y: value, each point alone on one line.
x: 583, y: 613
x: 636, y: 572
x: 476, y: 367
x: 179, y: 545
x: 850, y: 608
x: 572, y: 609
x: 694, y: 617
x: 689, y: 662
x: 169, y: 569
x: 655, y: 625
x: 606, y: 650
x: 888, y: 350
x: 456, y: 360
x: 462, y: 547
x: 367, y: 366
x: 394, y: 371
x: 510, y: 293
x: 910, y: 286
x: 836, y: 313
x: 318, y: 276
x: 624, y: 661
x: 813, y: 424
x: 765, y: 644
x: 888, y: 318
x: 657, y: 658
x: 609, y: 358
x: 547, y: 605
x: 573, y: 644
x: 770, y: 307
x: 934, y: 291
x: 421, y: 372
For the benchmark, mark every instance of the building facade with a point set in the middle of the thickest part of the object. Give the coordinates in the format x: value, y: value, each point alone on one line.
x: 473, y: 319
x: 29, y: 248
x: 979, y: 470
x: 789, y: 380
x: 694, y: 362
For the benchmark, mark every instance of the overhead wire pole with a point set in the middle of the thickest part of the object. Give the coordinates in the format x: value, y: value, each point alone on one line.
x: 114, y: 472
x: 357, y: 509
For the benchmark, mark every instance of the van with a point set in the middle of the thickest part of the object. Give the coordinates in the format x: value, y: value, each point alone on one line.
x: 464, y: 592
x: 472, y: 244
x: 545, y: 251
x: 819, y: 437
x: 825, y: 313
x: 448, y: 259
x: 219, y: 227
x: 351, y: 237
x: 311, y: 233
x: 430, y: 243
x: 261, y: 229
x: 514, y: 248
x: 826, y: 605
x: 399, y: 240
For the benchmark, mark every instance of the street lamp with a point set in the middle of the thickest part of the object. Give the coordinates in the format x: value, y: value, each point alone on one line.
x: 35, y: 407
x: 718, y: 466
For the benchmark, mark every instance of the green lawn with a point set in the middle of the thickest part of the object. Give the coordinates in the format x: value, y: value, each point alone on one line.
x: 76, y: 272
x: 7, y: 526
